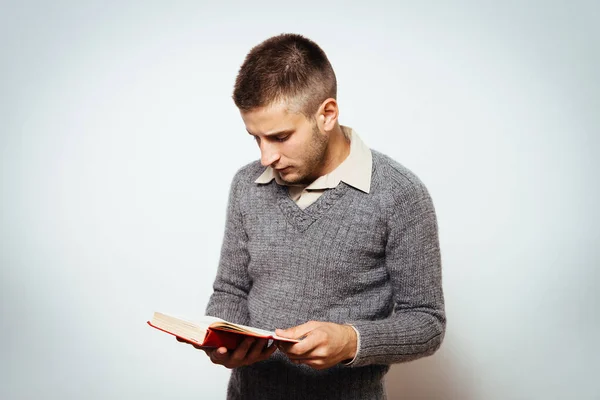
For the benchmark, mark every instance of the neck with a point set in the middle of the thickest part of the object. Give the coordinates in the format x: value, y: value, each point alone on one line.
x: 338, y: 149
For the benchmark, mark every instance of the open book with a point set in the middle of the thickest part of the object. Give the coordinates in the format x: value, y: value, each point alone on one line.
x: 209, y: 331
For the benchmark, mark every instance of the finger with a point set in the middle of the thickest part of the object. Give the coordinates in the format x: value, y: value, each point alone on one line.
x: 317, y: 353
x: 240, y: 352
x: 267, y: 351
x: 311, y: 341
x: 316, y: 364
x: 296, y: 332
x: 182, y: 340
x: 218, y: 356
x: 301, y: 360
x: 285, y: 346
x: 256, y: 350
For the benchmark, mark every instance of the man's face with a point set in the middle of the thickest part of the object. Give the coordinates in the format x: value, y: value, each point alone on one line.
x: 289, y: 142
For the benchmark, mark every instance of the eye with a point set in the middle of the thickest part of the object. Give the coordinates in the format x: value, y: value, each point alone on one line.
x: 282, y: 138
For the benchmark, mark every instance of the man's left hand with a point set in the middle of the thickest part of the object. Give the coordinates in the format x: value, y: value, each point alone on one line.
x: 322, y: 345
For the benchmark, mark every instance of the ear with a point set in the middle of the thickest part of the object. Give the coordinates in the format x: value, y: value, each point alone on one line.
x: 327, y: 115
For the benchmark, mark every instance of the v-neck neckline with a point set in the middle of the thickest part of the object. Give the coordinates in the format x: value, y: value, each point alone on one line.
x: 303, y: 219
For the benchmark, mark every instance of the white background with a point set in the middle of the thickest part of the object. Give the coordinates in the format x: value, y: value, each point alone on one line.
x: 119, y: 140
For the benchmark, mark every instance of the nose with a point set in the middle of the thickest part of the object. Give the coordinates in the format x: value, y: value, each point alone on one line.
x: 268, y: 154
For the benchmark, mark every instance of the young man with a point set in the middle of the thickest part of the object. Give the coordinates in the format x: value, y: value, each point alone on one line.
x: 324, y: 237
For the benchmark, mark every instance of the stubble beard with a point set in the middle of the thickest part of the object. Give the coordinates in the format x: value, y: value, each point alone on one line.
x: 314, y: 159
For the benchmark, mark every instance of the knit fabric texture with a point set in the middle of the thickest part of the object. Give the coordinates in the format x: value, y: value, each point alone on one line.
x: 371, y: 260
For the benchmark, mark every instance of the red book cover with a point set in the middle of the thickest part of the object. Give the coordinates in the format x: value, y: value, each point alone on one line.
x: 210, y: 331
x: 213, y: 338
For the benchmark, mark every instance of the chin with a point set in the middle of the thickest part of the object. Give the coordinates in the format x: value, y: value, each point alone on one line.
x: 298, y: 180
x: 291, y: 177
x: 288, y: 178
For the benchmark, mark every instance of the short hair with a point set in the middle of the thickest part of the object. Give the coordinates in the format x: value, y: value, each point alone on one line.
x: 288, y: 68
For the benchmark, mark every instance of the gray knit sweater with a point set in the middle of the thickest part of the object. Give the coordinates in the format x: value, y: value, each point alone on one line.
x: 370, y: 260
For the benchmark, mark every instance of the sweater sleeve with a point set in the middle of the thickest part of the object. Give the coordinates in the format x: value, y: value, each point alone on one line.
x: 232, y: 283
x: 416, y: 327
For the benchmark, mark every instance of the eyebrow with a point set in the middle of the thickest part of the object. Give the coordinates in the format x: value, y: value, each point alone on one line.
x: 278, y: 133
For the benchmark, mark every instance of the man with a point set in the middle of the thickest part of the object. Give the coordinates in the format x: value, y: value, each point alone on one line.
x: 324, y: 237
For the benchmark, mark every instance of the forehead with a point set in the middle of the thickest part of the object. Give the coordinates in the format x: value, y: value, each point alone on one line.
x: 272, y: 119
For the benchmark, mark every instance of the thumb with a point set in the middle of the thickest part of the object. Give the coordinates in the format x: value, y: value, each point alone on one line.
x: 218, y: 354
x: 295, y: 332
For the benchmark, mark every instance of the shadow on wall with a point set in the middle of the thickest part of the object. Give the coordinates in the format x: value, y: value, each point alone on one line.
x: 428, y: 378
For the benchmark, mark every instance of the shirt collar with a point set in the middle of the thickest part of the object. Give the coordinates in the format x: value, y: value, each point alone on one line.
x: 355, y: 170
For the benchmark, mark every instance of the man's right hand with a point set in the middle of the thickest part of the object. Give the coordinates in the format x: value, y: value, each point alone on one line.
x: 251, y: 350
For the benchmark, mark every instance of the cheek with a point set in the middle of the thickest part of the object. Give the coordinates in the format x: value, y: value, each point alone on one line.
x: 300, y: 146
x: 291, y: 149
